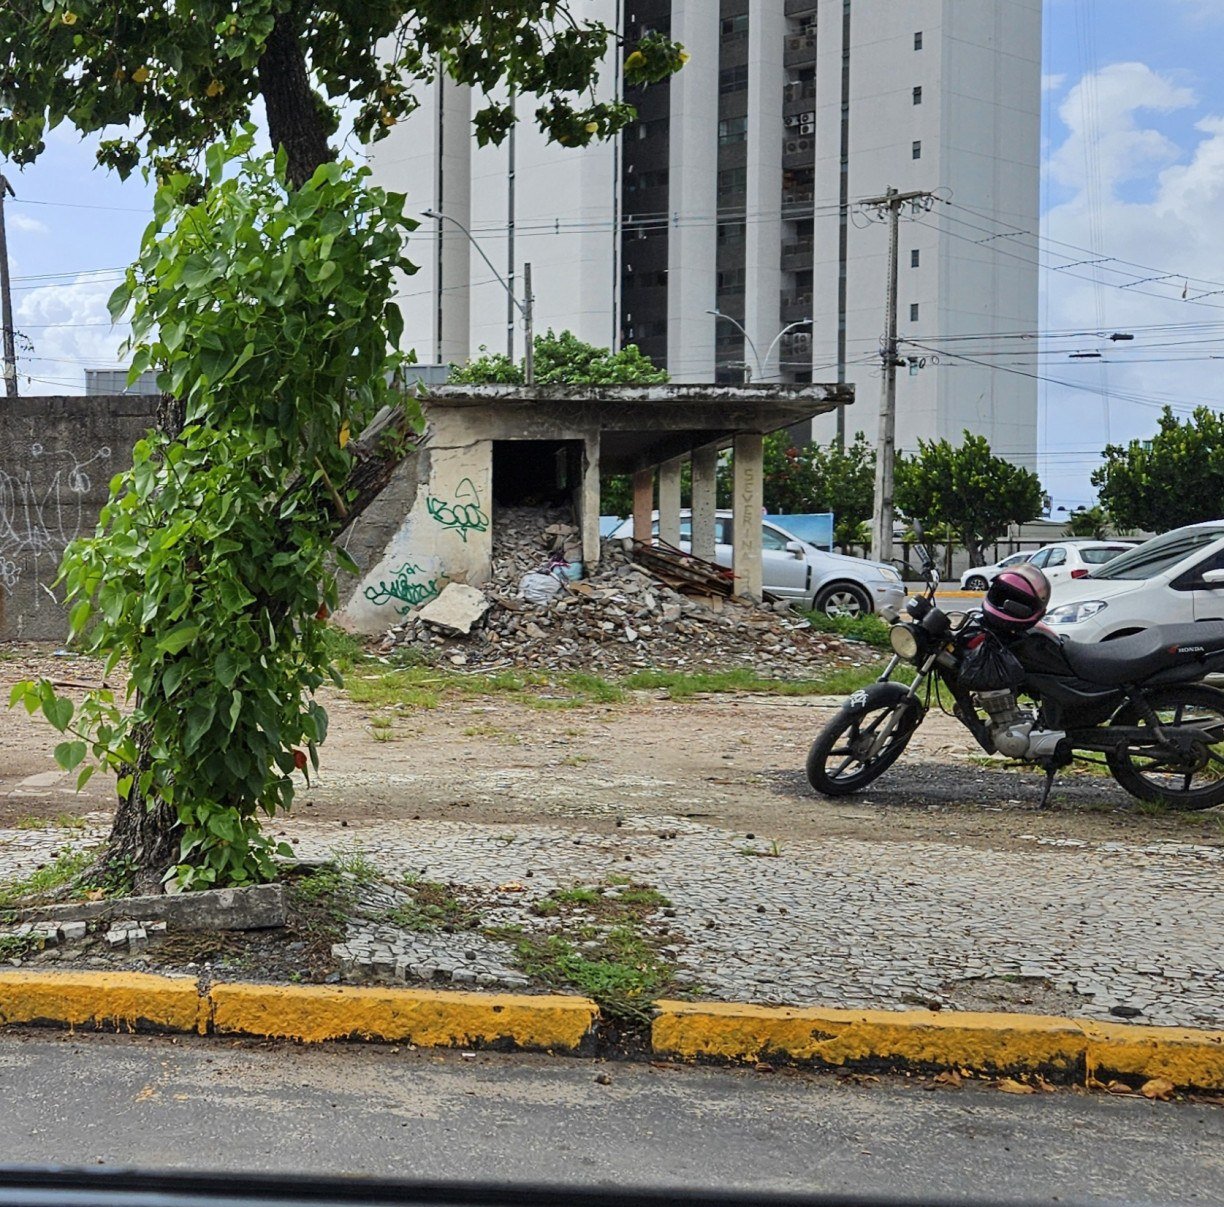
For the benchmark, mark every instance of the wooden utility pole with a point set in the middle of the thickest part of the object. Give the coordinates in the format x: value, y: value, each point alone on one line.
x: 6, y: 299
x: 882, y: 522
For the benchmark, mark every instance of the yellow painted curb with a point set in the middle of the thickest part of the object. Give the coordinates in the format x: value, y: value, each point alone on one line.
x: 998, y: 1042
x: 1185, y: 1056
x: 130, y: 1000
x: 428, y: 1018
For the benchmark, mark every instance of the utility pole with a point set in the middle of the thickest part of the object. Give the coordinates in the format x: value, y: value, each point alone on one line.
x: 528, y: 314
x: 6, y: 299
x: 882, y: 522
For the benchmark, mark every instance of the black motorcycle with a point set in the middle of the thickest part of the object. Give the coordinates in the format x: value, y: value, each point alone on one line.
x: 1135, y: 704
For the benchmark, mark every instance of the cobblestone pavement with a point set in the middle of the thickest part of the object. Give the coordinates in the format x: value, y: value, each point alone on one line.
x: 850, y: 923
x: 1069, y: 925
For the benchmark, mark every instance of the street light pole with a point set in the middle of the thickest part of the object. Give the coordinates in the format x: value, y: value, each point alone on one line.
x: 718, y: 314
x: 525, y: 310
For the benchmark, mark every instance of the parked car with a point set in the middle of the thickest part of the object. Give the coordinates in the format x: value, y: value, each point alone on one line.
x: 1058, y: 560
x: 794, y: 569
x: 1172, y: 579
x: 978, y: 578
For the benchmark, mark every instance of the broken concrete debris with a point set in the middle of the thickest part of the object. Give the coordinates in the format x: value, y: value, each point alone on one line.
x: 456, y: 609
x: 625, y: 616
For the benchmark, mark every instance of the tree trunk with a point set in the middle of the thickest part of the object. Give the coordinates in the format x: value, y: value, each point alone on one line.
x: 294, y: 118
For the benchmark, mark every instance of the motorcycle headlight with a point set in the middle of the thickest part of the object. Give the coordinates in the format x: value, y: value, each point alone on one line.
x: 1073, y: 613
x: 904, y: 641
x: 888, y: 574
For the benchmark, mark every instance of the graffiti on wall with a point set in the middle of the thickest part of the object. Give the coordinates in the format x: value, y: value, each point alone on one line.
x: 42, y: 511
x: 461, y: 515
x: 404, y: 586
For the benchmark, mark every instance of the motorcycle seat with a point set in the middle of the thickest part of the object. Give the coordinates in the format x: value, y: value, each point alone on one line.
x: 1133, y: 659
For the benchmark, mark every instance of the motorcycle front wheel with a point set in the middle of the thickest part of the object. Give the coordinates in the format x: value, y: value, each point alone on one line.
x: 1193, y: 783
x: 854, y: 748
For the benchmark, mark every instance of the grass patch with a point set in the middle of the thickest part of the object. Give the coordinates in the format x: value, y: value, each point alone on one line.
x: 19, y: 947
x: 432, y: 906
x: 67, y: 865
x: 62, y: 821
x: 682, y: 684
x: 869, y: 628
x: 344, y: 650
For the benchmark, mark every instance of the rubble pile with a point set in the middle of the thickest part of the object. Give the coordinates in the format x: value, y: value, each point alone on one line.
x: 622, y: 617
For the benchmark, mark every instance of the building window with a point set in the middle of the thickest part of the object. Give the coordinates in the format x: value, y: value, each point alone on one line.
x: 917, y: 148
x: 914, y: 257
x: 733, y: 79
x: 918, y: 95
x: 913, y: 312
x: 733, y: 129
x: 732, y: 180
x: 918, y: 40
x: 735, y: 27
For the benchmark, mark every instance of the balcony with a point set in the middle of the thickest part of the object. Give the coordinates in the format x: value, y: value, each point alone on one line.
x: 799, y: 48
x: 798, y: 150
x: 796, y: 306
x: 796, y: 93
x: 800, y: 8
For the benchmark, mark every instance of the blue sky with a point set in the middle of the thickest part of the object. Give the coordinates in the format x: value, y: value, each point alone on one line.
x: 1133, y: 145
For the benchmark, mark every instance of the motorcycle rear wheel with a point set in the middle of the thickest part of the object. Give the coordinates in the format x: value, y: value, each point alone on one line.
x: 1180, y: 786
x: 841, y: 760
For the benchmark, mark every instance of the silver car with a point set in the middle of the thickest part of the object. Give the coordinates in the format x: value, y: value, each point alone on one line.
x: 794, y: 569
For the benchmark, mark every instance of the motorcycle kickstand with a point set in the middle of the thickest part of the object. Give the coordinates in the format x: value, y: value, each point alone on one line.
x: 1051, y: 771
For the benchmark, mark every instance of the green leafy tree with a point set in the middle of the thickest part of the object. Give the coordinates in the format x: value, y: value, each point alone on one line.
x: 1090, y: 522
x: 1175, y: 478
x: 966, y: 489
x: 814, y: 478
x: 565, y: 359
x: 263, y: 298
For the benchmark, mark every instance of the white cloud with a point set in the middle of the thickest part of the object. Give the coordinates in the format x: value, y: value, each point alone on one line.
x: 26, y: 224
x: 1052, y: 83
x: 1160, y: 225
x: 71, y: 330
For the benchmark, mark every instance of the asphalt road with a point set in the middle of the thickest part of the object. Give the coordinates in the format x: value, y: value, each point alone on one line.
x: 190, y: 1103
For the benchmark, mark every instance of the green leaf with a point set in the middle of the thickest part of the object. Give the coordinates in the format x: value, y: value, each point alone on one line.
x: 179, y: 637
x: 70, y: 755
x: 58, y: 711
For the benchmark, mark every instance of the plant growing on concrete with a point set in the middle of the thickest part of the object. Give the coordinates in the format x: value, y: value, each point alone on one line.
x: 211, y: 562
x: 968, y: 490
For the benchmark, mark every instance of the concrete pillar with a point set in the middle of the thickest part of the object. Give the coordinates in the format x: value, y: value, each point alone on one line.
x: 748, y: 498
x: 588, y: 514
x: 643, y: 504
x: 705, y: 500
x: 669, y: 502
x: 453, y: 189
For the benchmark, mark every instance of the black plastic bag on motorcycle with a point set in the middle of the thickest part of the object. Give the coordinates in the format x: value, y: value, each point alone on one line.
x: 990, y: 667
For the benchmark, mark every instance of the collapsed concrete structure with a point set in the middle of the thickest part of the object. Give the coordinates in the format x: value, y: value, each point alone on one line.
x: 498, y: 445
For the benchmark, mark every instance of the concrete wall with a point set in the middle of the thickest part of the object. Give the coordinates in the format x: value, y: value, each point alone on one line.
x: 57, y: 457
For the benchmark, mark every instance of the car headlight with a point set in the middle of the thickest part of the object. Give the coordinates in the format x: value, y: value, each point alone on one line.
x: 888, y: 574
x: 1073, y: 613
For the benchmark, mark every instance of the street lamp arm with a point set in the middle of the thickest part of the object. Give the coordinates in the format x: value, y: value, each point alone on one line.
x: 480, y: 251
x: 718, y: 314
x: 777, y: 338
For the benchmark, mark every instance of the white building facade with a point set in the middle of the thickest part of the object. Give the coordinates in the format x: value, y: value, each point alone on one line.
x: 739, y: 190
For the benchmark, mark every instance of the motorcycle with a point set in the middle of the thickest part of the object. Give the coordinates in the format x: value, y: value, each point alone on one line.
x: 1135, y: 704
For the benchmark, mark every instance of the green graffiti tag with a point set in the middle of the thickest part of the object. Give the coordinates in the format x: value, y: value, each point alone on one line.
x: 403, y: 587
x: 464, y: 514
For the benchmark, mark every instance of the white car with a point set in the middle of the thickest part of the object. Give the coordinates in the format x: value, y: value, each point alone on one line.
x: 1058, y: 560
x: 794, y: 569
x: 978, y: 578
x: 1176, y: 578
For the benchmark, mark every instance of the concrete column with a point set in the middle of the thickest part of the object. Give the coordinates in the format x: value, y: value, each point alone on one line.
x: 763, y: 231
x: 588, y: 515
x: 643, y: 504
x: 692, y: 243
x: 746, y: 516
x: 669, y: 502
x: 454, y: 193
x: 705, y: 500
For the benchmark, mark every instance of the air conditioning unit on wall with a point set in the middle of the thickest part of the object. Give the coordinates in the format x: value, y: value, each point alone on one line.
x: 796, y: 146
x: 807, y: 128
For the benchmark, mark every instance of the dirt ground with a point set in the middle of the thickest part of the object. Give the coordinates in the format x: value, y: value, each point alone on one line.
x: 732, y: 761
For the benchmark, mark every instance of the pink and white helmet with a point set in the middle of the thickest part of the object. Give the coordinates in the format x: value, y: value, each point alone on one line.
x: 1017, y: 599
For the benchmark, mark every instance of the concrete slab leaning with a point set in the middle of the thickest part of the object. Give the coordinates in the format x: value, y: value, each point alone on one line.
x: 257, y: 907
x: 457, y: 609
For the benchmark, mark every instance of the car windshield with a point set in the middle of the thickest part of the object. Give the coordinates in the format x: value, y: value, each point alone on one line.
x: 1097, y: 557
x: 1159, y: 554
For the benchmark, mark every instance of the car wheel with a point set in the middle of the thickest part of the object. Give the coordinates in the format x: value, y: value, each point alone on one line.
x: 976, y: 583
x: 843, y: 599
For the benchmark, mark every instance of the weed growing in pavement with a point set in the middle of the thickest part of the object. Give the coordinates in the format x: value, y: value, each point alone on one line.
x: 20, y: 947
x: 343, y: 649
x: 432, y: 906
x: 67, y: 865
x: 62, y: 821
x: 773, y: 851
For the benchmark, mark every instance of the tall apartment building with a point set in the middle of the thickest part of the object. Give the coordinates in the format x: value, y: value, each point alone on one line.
x: 738, y: 190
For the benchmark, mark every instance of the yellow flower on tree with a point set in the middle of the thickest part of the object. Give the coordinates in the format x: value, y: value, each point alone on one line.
x: 68, y: 18
x: 140, y: 75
